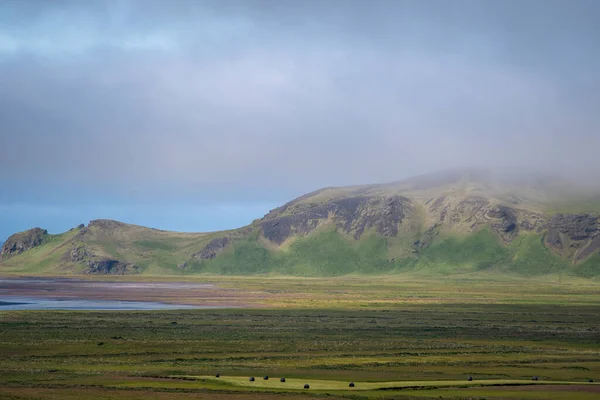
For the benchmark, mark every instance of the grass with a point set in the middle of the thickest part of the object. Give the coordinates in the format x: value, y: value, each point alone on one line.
x: 395, y: 338
x: 478, y: 251
x: 335, y: 385
x: 42, y: 259
x: 323, y: 253
x: 326, y: 252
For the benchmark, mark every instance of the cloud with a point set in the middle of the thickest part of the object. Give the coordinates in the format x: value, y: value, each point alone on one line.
x: 190, y: 97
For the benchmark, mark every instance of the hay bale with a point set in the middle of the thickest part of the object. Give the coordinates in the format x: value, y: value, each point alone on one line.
x: 351, y: 384
x: 307, y: 386
x: 251, y: 379
x: 282, y: 380
x: 470, y: 379
x: 266, y: 378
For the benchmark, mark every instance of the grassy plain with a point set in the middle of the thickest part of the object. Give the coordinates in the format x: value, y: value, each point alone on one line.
x: 395, y: 338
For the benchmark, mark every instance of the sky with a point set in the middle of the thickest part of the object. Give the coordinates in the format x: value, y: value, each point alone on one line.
x: 202, y: 115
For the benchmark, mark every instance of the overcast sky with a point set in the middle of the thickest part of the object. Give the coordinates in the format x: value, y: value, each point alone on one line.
x: 200, y: 115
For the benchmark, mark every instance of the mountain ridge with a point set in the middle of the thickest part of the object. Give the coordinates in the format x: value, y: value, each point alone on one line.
x: 450, y: 222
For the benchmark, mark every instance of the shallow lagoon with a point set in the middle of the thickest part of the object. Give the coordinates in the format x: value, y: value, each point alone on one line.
x: 74, y: 294
x: 32, y: 303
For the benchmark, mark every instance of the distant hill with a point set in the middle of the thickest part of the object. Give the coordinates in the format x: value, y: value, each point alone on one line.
x: 459, y: 221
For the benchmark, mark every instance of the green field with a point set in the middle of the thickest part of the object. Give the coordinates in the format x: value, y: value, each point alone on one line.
x: 422, y: 342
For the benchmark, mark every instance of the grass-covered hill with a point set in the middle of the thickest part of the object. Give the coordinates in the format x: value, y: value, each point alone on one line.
x: 467, y: 221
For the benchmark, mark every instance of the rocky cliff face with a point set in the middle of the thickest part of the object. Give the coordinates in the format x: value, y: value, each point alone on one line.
x: 107, y: 266
x: 471, y: 213
x: 386, y: 215
x: 352, y: 215
x: 23, y: 241
x: 577, y: 234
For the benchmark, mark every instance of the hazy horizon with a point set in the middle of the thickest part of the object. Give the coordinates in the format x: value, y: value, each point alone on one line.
x: 203, y: 115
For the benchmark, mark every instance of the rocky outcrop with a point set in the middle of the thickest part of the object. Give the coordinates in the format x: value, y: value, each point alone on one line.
x: 213, y: 247
x: 504, y: 222
x: 453, y: 212
x: 427, y: 238
x: 507, y: 219
x: 578, y: 232
x: 472, y: 213
x: 218, y: 244
x: 78, y: 253
x: 591, y: 248
x: 553, y: 239
x: 352, y: 215
x: 107, y: 266
x: 575, y: 226
x: 23, y: 241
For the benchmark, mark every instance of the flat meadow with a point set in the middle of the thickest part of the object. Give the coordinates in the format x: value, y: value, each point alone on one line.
x: 393, y: 337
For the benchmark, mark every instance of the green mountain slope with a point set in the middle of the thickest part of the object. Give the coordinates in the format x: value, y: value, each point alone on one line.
x: 467, y: 221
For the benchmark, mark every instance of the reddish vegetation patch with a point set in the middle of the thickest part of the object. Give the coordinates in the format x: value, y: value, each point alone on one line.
x: 165, y: 292
x: 101, y: 394
x: 551, y: 388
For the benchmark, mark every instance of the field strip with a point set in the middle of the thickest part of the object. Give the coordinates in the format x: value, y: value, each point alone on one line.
x: 295, y: 383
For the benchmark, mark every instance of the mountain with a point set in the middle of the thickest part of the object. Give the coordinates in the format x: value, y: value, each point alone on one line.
x: 459, y: 221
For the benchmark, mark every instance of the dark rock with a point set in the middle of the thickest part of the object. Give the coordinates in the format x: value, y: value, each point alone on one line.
x: 107, y: 224
x: 575, y: 226
x: 266, y: 378
x: 352, y: 215
x: 553, y: 239
x: 78, y: 227
x: 351, y: 384
x: 470, y: 379
x: 427, y: 238
x: 507, y: 217
x: 307, y: 386
x: 182, y: 265
x: 529, y: 225
x: 109, y: 266
x: 23, y: 241
x: 78, y: 253
x: 438, y: 203
x: 217, y: 245
x: 282, y: 380
x: 535, y: 378
x: 217, y: 375
x: 251, y: 379
x: 100, y: 343
x: 590, y: 249
x: 213, y: 248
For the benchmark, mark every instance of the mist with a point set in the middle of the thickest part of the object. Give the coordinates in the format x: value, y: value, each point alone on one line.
x: 197, y: 106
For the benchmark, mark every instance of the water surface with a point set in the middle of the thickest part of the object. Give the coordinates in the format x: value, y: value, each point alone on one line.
x: 32, y: 303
